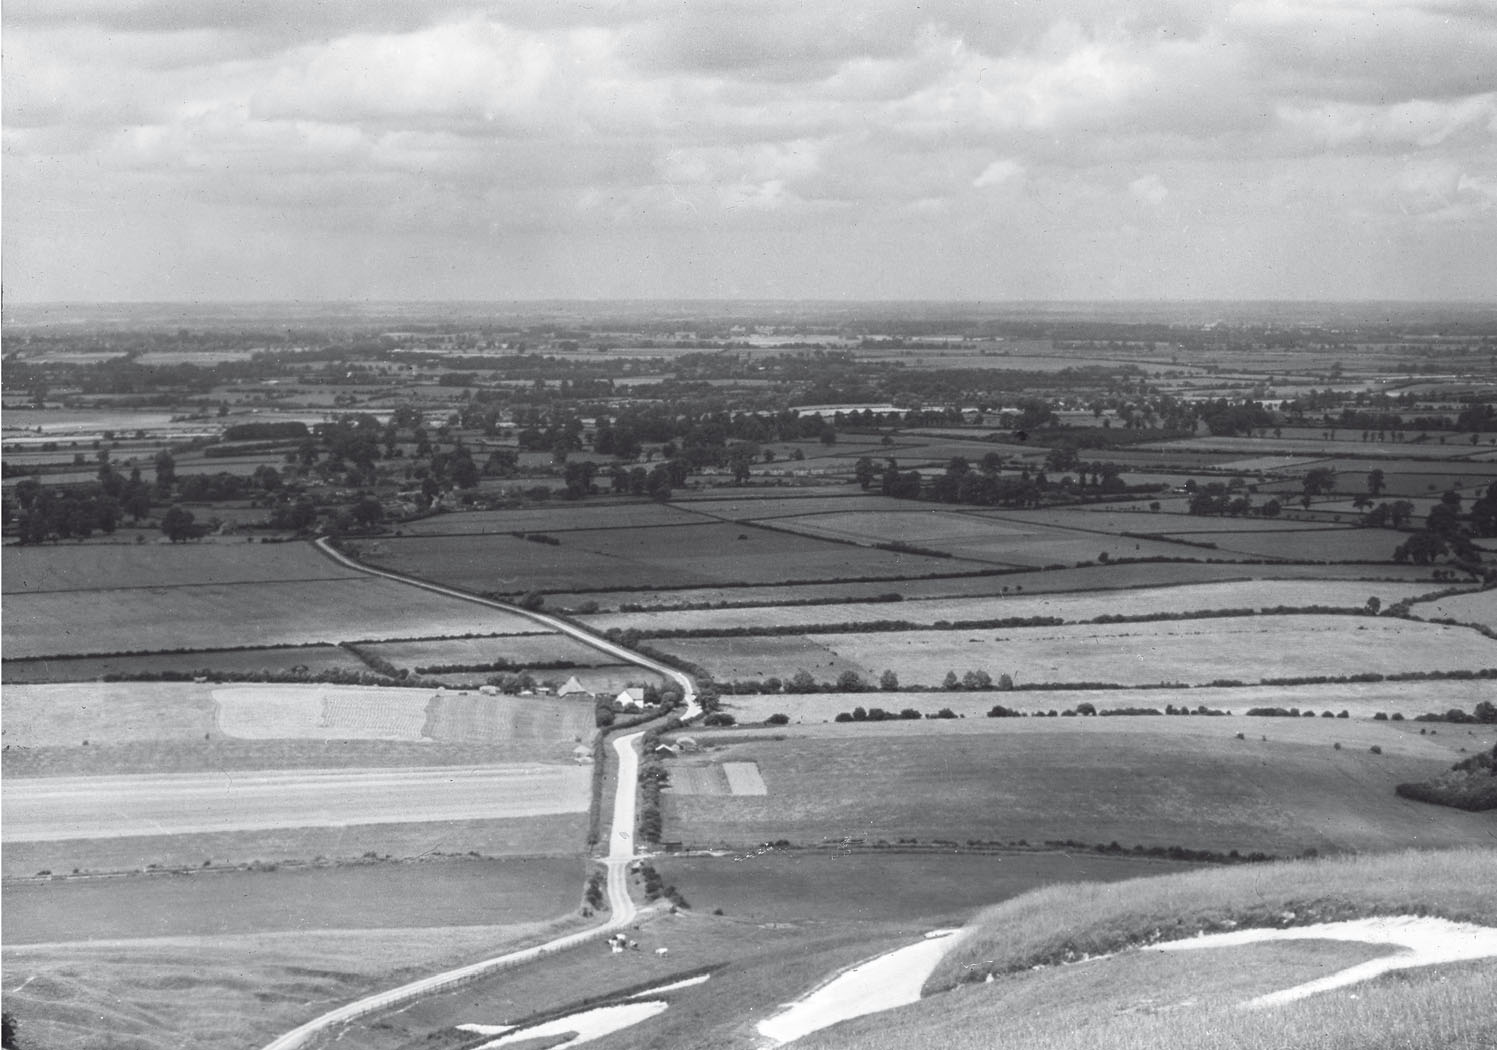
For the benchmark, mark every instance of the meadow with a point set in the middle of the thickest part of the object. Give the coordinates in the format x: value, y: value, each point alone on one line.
x: 145, y: 855
x: 1190, y: 652
x: 1479, y: 607
x: 678, y: 556
x: 219, y: 616
x: 107, y: 600
x: 531, y: 648
x: 451, y: 892
x: 311, y: 659
x: 159, y: 566
x: 1190, y: 782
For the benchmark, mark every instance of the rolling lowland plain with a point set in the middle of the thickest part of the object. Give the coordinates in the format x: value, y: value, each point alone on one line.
x: 246, y: 782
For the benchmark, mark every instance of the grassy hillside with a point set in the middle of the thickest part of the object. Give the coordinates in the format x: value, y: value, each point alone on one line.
x: 1284, y: 788
x: 1140, y: 998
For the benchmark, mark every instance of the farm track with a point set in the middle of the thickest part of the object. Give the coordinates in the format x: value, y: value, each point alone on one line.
x: 620, y: 850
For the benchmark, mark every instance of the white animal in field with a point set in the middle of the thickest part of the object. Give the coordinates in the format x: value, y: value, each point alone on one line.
x: 661, y: 951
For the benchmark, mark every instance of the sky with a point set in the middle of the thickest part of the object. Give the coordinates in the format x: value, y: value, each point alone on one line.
x: 992, y: 150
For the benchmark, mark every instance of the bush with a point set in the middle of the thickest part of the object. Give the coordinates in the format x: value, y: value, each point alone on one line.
x: 777, y: 719
x: 719, y: 718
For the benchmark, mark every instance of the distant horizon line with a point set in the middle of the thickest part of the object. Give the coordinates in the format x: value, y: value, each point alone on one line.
x: 1492, y: 302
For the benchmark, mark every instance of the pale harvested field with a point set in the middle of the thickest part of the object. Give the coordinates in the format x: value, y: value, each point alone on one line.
x: 1480, y: 607
x: 520, y: 650
x: 1202, y: 597
x: 744, y: 778
x: 111, y: 566
x: 1190, y: 651
x: 58, y: 808
x: 169, y: 721
x: 217, y: 616
x: 105, y: 713
x: 276, y: 712
x: 1361, y: 700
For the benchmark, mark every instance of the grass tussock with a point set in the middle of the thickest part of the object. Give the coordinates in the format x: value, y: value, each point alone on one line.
x: 1065, y: 923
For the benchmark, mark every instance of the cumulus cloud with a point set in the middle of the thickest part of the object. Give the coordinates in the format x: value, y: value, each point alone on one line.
x: 889, y: 125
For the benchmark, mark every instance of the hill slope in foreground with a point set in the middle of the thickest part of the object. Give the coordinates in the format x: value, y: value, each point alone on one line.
x: 1079, y: 965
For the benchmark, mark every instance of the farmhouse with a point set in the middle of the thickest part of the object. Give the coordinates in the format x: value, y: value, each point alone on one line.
x: 631, y: 698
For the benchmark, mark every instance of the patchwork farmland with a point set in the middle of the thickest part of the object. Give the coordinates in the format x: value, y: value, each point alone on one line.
x: 1064, y: 602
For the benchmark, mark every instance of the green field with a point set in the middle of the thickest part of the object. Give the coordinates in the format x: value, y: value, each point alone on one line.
x: 678, y: 556
x: 448, y: 892
x: 111, y: 599
x: 500, y: 837
x: 1135, y: 781
x: 125, y: 566
x: 313, y: 659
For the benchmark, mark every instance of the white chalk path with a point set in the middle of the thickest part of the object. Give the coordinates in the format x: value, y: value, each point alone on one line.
x: 1426, y: 942
x: 890, y: 980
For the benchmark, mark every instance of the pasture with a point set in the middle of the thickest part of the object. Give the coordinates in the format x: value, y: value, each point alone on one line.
x: 985, y: 538
x: 535, y: 648
x: 126, y: 566
x: 495, y: 837
x: 218, y: 616
x: 1478, y: 607
x: 441, y: 892
x: 1192, y: 652
x: 1135, y: 781
x: 1073, y: 607
x: 780, y: 885
x: 312, y: 659
x: 686, y: 555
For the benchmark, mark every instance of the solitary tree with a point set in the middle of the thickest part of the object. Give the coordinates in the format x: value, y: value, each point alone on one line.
x: 178, y: 524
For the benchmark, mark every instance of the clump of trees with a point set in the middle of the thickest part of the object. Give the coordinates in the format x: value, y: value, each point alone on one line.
x: 1471, y: 784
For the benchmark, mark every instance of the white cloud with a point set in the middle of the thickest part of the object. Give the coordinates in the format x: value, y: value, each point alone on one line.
x: 485, y: 125
x: 999, y: 172
x: 1149, y: 189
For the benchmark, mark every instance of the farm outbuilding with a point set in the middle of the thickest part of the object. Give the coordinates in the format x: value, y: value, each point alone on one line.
x: 573, y: 688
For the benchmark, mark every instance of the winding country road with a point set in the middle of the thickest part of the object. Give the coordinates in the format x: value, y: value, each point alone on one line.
x: 620, y: 839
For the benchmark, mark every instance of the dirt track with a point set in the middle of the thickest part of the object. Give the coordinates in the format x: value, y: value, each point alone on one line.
x: 54, y: 808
